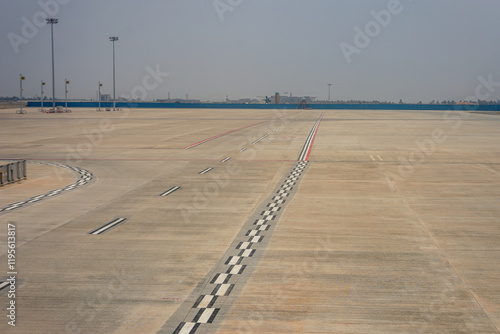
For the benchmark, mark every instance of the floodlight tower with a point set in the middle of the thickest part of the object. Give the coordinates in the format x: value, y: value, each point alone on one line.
x: 114, y: 39
x: 21, y: 79
x: 99, y: 95
x: 41, y: 99
x: 52, y: 22
x: 66, y: 83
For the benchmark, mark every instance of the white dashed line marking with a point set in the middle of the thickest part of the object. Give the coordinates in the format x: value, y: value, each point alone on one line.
x: 109, y: 225
x: 171, y: 190
x: 206, y: 170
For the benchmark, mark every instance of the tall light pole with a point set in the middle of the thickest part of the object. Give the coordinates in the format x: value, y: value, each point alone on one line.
x: 52, y: 22
x: 41, y: 99
x: 66, y: 83
x: 114, y: 39
x: 99, y: 95
x: 21, y: 79
x: 329, y: 85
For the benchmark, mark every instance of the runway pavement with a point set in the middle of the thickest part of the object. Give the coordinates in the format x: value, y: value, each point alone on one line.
x: 251, y: 221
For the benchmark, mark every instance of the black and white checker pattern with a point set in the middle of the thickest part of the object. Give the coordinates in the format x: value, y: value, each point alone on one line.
x: 222, y: 283
x: 85, y: 177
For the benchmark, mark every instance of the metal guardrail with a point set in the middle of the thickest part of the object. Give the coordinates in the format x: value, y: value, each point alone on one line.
x: 12, y: 172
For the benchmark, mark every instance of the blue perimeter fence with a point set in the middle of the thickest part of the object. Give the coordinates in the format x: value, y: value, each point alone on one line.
x: 160, y: 105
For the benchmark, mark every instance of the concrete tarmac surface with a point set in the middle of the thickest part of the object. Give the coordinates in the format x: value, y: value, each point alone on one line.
x: 251, y: 221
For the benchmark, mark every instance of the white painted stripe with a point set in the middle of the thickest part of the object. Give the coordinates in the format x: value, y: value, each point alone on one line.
x: 309, y: 141
x: 3, y: 285
x: 37, y: 197
x: 206, y: 170
x: 236, y: 269
x: 243, y: 149
x: 261, y: 138
x: 234, y: 260
x: 256, y: 239
x: 371, y: 157
x: 380, y: 158
x: 171, y: 190
x: 223, y: 289
x: 187, y: 328
x: 205, y: 316
x: 205, y: 301
x: 244, y: 245
x: 247, y: 253
x: 225, y: 159
x: 251, y: 233
x: 220, y: 278
x: 109, y: 225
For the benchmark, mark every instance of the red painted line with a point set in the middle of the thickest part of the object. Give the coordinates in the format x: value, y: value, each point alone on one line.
x: 314, y: 137
x: 238, y: 160
x: 220, y: 135
x: 93, y: 148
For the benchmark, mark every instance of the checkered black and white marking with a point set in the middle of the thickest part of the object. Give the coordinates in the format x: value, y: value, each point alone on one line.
x: 85, y: 177
x: 205, y: 301
x: 222, y: 289
x: 221, y: 284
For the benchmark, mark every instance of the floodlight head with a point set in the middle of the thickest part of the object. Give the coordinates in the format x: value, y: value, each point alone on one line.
x: 52, y: 21
x: 112, y: 39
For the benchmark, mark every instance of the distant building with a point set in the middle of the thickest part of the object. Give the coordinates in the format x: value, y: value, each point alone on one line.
x: 105, y: 97
x: 296, y: 99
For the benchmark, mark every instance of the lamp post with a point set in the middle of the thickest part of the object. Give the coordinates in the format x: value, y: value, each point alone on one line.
x: 99, y: 95
x: 41, y: 99
x: 329, y: 85
x: 66, y: 83
x: 52, y: 22
x: 21, y: 79
x: 114, y: 39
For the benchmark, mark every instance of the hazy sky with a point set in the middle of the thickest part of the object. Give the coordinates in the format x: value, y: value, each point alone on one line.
x: 425, y: 49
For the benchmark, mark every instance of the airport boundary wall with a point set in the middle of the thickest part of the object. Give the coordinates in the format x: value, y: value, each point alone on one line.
x: 159, y: 105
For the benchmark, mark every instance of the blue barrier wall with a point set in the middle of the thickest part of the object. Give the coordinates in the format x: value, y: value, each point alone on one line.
x: 153, y: 105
